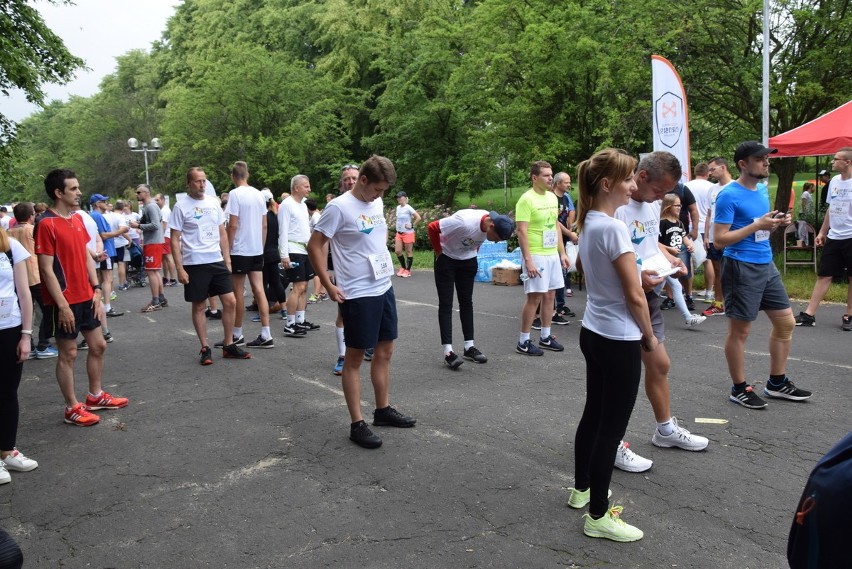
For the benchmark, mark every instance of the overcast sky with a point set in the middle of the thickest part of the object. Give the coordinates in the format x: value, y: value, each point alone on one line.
x: 97, y: 31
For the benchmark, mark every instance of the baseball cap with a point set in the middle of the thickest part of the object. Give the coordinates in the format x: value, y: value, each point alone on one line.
x: 401, y: 195
x: 98, y: 198
x: 823, y: 172
x: 751, y: 148
x: 503, y: 224
x: 267, y: 195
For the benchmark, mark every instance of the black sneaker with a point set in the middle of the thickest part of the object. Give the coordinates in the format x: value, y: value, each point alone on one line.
x: 309, y: 326
x: 747, y: 398
x: 453, y: 361
x: 805, y: 319
x: 83, y: 345
x: 368, y: 354
x: 475, y: 355
x: 559, y: 321
x: 259, y: 342
x: 786, y: 390
x: 164, y: 302
x: 361, y: 435
x: 536, y: 325
x: 565, y: 311
x: 252, y: 307
x: 237, y: 341
x: 214, y: 315
x: 108, y: 338
x: 846, y: 325
x: 294, y: 331
x: 690, y: 302
x: 206, y: 356
x: 234, y: 352
x: 667, y: 304
x: 390, y: 417
x: 113, y: 313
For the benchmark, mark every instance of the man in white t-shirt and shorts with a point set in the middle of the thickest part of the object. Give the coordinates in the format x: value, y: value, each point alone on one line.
x: 354, y: 224
x: 246, y: 211
x: 294, y: 231
x: 836, y: 237
x: 200, y: 250
x: 656, y: 174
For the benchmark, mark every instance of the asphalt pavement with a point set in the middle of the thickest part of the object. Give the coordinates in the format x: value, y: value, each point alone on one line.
x: 248, y: 463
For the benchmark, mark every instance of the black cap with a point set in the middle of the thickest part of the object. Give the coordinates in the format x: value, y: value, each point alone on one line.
x: 751, y: 148
x: 401, y: 195
x: 823, y: 172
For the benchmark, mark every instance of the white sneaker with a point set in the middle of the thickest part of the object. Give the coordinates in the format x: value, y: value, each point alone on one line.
x: 680, y: 438
x: 694, y: 320
x: 5, y: 477
x: 710, y: 297
x: 18, y: 462
x: 629, y: 461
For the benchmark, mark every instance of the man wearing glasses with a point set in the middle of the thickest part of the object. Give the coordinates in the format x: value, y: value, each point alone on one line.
x: 750, y: 280
x: 836, y: 235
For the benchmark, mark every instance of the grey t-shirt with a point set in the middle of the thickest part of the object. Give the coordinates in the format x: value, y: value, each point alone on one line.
x: 151, y: 224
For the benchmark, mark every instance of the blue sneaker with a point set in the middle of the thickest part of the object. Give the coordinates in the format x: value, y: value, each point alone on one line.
x: 529, y: 349
x: 47, y: 353
x: 255, y: 318
x: 550, y: 343
x: 338, y: 367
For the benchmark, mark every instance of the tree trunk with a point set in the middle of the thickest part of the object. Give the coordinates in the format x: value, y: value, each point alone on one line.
x: 785, y: 168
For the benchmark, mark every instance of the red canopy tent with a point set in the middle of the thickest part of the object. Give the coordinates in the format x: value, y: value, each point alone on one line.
x: 819, y: 137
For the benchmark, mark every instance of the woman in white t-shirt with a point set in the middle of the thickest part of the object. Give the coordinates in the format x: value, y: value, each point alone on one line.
x: 16, y: 331
x: 616, y: 326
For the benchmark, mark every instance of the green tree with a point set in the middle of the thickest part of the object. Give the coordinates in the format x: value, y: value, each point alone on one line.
x: 30, y: 56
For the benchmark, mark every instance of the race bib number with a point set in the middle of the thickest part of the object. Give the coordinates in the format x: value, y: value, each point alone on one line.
x: 760, y: 234
x: 209, y: 234
x: 6, y: 307
x: 548, y: 238
x: 382, y: 265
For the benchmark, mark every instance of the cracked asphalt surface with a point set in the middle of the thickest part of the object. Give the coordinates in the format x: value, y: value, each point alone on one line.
x: 247, y: 463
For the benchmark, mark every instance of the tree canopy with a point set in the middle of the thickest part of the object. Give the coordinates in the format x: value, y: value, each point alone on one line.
x: 451, y: 90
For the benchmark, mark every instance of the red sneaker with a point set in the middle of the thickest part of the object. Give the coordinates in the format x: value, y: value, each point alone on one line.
x: 80, y: 416
x: 714, y: 310
x: 105, y: 401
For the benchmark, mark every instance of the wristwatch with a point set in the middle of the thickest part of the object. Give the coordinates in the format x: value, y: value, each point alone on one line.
x: 97, y: 287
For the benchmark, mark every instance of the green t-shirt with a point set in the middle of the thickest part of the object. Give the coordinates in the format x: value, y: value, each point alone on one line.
x: 540, y: 211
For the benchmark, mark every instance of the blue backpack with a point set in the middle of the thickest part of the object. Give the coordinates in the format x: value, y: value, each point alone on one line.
x: 819, y: 537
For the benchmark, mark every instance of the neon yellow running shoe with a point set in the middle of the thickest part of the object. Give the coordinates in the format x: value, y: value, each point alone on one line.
x: 611, y: 526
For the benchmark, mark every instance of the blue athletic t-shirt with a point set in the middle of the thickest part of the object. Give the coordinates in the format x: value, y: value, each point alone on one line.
x: 738, y: 207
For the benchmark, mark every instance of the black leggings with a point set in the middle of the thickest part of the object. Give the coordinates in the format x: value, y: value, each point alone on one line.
x: 10, y: 379
x: 613, y: 370
x: 273, y: 283
x: 451, y: 273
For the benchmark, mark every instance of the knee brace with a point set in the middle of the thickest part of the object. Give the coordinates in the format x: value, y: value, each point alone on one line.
x: 782, y: 328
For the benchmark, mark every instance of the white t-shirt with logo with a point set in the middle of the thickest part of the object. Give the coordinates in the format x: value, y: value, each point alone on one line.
x: 10, y: 312
x: 604, y: 240
x: 643, y: 224
x: 714, y: 195
x: 294, y: 227
x: 839, y: 200
x: 404, y: 215
x: 461, y: 235
x: 248, y: 205
x: 359, y: 248
x: 198, y: 221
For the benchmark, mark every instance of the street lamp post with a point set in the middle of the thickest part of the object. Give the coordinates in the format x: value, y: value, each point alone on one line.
x: 134, y: 147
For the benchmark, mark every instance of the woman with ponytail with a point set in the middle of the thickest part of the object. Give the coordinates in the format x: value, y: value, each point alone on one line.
x: 616, y: 327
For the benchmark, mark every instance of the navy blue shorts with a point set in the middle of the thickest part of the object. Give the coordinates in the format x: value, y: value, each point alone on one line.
x: 714, y: 253
x: 369, y: 320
